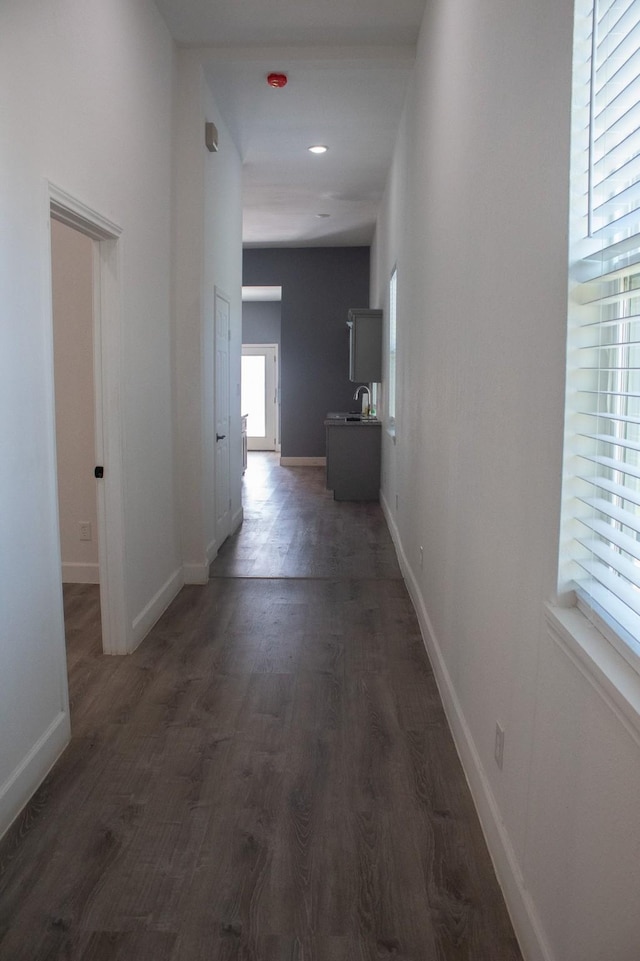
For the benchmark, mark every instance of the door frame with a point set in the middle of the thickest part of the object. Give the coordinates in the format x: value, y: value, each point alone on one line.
x: 62, y: 206
x: 220, y: 536
x: 252, y: 350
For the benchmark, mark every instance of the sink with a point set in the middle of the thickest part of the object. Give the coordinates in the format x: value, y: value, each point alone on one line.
x: 348, y: 416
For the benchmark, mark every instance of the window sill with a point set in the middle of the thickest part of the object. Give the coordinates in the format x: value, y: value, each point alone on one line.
x: 599, y: 662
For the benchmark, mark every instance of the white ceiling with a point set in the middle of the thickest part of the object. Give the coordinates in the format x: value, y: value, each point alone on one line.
x: 348, y: 63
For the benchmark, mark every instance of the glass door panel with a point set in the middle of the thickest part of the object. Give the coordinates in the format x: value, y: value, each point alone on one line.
x: 254, y: 393
x: 259, y: 395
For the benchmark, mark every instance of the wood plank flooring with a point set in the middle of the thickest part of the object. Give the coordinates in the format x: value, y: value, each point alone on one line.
x: 294, y: 528
x: 269, y: 777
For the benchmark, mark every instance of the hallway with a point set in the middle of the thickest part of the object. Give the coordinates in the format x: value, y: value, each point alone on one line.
x: 269, y: 776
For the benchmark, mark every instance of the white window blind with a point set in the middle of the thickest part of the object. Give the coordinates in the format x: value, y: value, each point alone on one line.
x: 603, y: 384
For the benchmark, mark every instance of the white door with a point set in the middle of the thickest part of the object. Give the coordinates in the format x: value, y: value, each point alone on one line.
x: 260, y: 395
x: 221, y: 417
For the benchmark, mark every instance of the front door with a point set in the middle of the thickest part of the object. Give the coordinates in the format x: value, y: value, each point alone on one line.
x: 221, y: 416
x: 260, y: 395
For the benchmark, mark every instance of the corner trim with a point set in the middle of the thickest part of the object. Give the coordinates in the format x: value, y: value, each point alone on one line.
x: 74, y: 213
x: 237, y: 520
x: 196, y: 573
x: 212, y: 551
x: 27, y: 777
x: 156, y: 607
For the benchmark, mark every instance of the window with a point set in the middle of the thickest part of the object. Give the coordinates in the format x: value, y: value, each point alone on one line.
x: 601, y: 509
x: 393, y: 299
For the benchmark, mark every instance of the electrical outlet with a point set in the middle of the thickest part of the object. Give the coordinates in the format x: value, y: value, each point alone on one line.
x: 498, y: 750
x: 85, y: 530
x: 421, y: 557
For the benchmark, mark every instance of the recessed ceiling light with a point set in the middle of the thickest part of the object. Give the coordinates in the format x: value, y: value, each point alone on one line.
x: 323, y: 215
x: 318, y: 148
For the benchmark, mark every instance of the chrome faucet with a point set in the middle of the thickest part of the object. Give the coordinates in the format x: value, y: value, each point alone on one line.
x: 357, y: 395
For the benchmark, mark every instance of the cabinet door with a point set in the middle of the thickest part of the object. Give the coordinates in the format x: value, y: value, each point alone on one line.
x: 353, y: 462
x: 365, y: 346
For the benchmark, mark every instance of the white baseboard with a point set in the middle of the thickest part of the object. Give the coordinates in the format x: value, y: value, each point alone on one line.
x: 236, y: 520
x: 524, y: 917
x: 196, y: 573
x: 156, y: 607
x: 212, y: 551
x: 199, y: 573
x: 32, y: 770
x: 303, y: 461
x: 80, y: 573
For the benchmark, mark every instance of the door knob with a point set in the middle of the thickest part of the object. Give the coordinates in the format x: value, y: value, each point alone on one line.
x: 220, y: 436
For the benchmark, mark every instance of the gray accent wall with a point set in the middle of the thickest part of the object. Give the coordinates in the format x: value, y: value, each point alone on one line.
x: 319, y: 285
x: 261, y: 322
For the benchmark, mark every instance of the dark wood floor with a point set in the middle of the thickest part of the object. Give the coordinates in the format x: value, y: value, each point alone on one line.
x: 269, y: 776
x: 294, y: 528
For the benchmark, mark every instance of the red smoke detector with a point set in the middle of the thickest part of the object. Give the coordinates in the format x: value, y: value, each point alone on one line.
x: 277, y: 80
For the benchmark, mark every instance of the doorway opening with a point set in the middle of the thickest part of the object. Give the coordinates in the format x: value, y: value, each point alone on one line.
x: 261, y: 372
x: 260, y: 395
x: 73, y: 363
x: 91, y: 520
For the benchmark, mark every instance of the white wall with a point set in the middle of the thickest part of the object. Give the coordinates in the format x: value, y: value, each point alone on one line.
x: 208, y: 236
x: 87, y: 91
x: 476, y: 215
x: 223, y: 269
x: 72, y: 301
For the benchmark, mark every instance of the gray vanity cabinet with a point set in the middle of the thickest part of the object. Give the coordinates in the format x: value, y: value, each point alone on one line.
x: 353, y: 460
